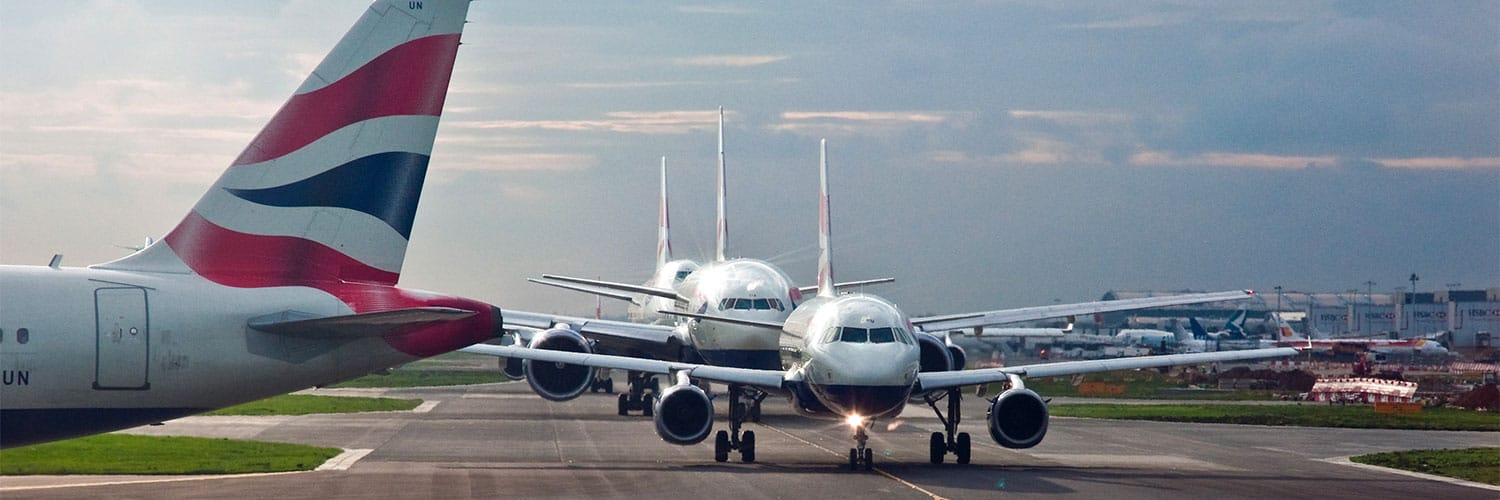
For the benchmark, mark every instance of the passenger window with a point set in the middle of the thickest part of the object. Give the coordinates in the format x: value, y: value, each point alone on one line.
x: 23, y: 336
x: 882, y: 335
x: 855, y: 335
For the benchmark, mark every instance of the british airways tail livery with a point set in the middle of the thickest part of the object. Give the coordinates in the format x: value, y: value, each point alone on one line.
x: 281, y: 277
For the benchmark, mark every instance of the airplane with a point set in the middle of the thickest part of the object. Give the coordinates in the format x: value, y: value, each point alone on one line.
x: 745, y: 288
x: 282, y: 277
x: 857, y: 358
x: 1418, y: 346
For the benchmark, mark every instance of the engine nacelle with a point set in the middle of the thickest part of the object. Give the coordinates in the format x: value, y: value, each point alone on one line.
x: 559, y: 381
x: 959, y: 357
x: 1018, y: 419
x: 935, y: 356
x: 512, y: 368
x: 684, y: 415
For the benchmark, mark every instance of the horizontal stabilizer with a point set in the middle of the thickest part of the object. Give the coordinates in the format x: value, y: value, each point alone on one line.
x: 373, y: 324
x: 847, y: 284
x: 584, y: 289
x: 625, y: 287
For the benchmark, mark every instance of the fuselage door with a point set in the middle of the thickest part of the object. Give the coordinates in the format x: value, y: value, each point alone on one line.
x: 123, y: 347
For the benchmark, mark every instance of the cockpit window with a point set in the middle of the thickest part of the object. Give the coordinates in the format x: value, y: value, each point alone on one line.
x: 682, y: 274
x: 882, y: 335
x: 751, y: 304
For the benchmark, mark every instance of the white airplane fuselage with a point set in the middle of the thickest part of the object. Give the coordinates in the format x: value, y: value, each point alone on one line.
x: 647, y: 308
x: 871, y: 376
x: 106, y: 349
x: 746, y: 289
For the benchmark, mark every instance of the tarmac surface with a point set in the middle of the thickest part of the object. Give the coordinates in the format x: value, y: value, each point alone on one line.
x: 501, y: 441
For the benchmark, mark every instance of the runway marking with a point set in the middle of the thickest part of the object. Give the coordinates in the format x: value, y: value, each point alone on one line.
x: 344, y: 460
x: 933, y: 496
x: 425, y: 407
x: 1346, y: 462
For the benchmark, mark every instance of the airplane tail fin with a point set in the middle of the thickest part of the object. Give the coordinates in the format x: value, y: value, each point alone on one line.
x: 663, y: 224
x: 1283, y: 330
x: 1235, y: 327
x: 721, y: 237
x: 328, y: 190
x: 1198, y: 331
x: 825, y: 240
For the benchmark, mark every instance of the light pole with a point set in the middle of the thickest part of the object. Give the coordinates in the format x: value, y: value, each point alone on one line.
x: 1413, y: 302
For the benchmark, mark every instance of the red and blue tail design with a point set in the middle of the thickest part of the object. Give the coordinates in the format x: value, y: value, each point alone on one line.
x: 327, y: 191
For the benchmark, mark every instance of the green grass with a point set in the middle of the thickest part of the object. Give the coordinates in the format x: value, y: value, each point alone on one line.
x: 303, y: 404
x: 425, y: 378
x: 1474, y: 464
x: 127, y: 454
x: 1304, y: 415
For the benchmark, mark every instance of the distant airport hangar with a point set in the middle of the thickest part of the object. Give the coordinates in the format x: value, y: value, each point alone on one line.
x: 1472, y: 317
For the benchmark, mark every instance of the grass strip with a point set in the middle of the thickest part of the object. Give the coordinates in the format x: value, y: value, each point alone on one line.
x: 306, y: 404
x: 129, y: 454
x: 425, y: 378
x: 1307, y: 415
x: 1481, y: 465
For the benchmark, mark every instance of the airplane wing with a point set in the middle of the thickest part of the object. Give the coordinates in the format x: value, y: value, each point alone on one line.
x: 625, y: 287
x: 765, y: 379
x: 928, y: 381
x: 610, y: 337
x: 372, y: 324
x: 722, y: 319
x: 585, y: 289
x: 809, y: 290
x: 971, y: 320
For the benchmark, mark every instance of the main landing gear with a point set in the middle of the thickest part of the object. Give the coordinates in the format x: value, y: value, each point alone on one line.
x: 943, y: 442
x: 603, y: 381
x: 744, y: 404
x: 860, y: 456
x: 637, y: 398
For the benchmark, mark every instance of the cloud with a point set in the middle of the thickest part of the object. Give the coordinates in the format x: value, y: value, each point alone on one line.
x: 715, y: 9
x: 1246, y: 160
x: 731, y: 61
x: 846, y: 123
x: 629, y: 122
x: 1444, y: 163
x: 518, y: 162
x: 1072, y: 118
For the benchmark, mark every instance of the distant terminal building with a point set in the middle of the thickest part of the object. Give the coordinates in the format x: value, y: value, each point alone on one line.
x: 1470, y: 317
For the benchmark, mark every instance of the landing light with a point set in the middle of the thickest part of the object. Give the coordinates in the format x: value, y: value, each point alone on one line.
x: 854, y: 420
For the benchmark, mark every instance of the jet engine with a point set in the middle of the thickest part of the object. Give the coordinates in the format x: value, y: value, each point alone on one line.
x: 558, y: 381
x: 1018, y: 418
x: 935, y: 355
x: 959, y: 357
x: 684, y: 415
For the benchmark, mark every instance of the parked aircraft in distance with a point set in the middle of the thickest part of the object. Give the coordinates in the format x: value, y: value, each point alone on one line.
x: 1419, y: 346
x: 282, y: 277
x: 857, y: 358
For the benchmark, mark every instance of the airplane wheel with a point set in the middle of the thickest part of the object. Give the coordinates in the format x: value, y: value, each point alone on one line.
x: 609, y: 385
x: 963, y: 448
x: 747, y: 447
x: 721, y: 446
x: 853, y: 459
x: 937, y: 447
x: 624, y: 405
x: 648, y: 406
x: 869, y: 459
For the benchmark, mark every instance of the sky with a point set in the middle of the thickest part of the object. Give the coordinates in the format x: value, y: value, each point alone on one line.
x: 986, y: 154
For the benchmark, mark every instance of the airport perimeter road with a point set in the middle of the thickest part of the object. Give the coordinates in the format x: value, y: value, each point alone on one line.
x: 500, y: 441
